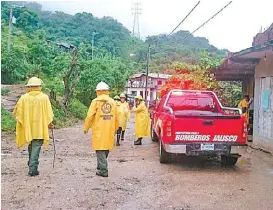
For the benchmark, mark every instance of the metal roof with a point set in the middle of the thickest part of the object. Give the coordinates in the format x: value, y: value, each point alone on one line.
x: 152, y: 75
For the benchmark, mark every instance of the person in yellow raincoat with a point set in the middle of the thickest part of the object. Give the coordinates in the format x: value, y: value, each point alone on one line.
x: 142, y: 120
x: 125, y: 114
x: 117, y: 100
x: 244, y: 106
x: 102, y: 118
x: 33, y: 113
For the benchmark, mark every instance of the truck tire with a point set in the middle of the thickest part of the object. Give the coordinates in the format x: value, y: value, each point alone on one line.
x: 228, y: 160
x: 164, y: 157
x: 153, y: 135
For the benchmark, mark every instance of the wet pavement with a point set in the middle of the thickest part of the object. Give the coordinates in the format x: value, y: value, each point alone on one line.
x: 136, y: 178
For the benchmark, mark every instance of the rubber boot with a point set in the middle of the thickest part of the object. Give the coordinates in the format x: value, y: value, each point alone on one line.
x: 122, y: 136
x: 138, y: 141
x: 99, y: 173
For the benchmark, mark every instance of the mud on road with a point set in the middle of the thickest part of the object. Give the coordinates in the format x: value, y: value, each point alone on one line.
x: 136, y: 178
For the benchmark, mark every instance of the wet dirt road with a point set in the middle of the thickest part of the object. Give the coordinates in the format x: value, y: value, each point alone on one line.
x: 136, y: 179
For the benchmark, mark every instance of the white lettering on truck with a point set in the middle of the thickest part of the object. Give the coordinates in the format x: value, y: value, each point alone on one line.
x: 186, y: 137
x: 225, y: 138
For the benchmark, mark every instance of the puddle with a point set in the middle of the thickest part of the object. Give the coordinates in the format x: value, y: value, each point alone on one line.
x: 5, y: 154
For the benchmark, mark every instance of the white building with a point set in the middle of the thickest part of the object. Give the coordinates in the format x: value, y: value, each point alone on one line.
x: 136, y: 85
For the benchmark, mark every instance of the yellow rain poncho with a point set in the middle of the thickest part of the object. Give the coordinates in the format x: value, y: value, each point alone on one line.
x: 102, y: 118
x: 33, y: 113
x: 119, y: 113
x: 142, y: 121
x: 124, y: 115
x: 244, y: 104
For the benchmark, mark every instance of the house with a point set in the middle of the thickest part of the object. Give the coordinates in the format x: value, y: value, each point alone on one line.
x: 65, y: 46
x: 137, y: 83
x: 254, y: 67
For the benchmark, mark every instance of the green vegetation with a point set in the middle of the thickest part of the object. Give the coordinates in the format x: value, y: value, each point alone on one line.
x: 8, y: 122
x: 78, y: 109
x: 57, y: 48
x: 4, y: 91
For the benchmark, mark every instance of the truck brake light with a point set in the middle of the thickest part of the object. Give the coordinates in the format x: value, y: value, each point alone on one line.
x: 245, y: 130
x: 169, y: 123
x: 169, y: 134
x: 169, y: 128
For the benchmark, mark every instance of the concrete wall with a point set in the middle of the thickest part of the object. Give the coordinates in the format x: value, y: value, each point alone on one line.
x: 265, y: 67
x: 263, y: 119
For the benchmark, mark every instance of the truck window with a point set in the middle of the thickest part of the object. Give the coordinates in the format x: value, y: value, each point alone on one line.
x: 201, y: 102
x: 161, y: 104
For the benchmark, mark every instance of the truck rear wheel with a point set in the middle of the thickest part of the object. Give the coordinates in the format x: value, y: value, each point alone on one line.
x: 153, y: 135
x: 228, y: 160
x: 164, y: 157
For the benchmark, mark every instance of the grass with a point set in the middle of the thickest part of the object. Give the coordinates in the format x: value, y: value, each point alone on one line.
x: 76, y: 111
x: 4, y: 91
x: 8, y: 123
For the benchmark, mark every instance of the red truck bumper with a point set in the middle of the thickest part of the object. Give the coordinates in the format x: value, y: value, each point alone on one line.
x: 195, y: 149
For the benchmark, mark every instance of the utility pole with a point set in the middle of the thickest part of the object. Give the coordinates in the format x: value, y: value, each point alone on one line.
x: 10, y: 26
x: 93, y: 36
x: 147, y: 74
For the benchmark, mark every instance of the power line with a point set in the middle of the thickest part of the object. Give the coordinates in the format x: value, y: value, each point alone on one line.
x: 207, y: 21
x: 212, y: 17
x: 184, y: 18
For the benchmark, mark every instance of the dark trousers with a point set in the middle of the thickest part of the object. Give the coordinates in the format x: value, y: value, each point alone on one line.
x: 122, y: 135
x: 119, y: 132
x: 102, y: 156
x: 34, y: 149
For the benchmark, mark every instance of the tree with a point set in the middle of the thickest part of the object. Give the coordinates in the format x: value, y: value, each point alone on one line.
x: 71, y: 77
x: 189, y: 77
x: 113, y: 72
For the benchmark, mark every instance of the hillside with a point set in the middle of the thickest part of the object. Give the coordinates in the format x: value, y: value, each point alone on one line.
x: 115, y: 40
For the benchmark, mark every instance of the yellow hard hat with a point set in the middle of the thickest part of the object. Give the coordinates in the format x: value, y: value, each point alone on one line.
x: 139, y: 97
x: 116, y: 98
x: 122, y: 95
x: 102, y: 86
x: 33, y: 82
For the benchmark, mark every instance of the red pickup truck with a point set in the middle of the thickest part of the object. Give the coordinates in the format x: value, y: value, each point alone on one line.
x: 195, y: 123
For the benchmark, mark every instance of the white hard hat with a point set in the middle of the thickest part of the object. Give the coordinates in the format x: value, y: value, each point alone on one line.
x: 102, y: 86
x: 33, y: 82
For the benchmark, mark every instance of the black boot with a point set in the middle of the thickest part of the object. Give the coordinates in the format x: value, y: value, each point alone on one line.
x: 35, y: 173
x: 122, y: 136
x: 99, y: 173
x: 138, y: 141
x: 118, y: 136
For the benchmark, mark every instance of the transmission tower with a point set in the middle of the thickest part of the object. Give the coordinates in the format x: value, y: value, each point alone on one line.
x: 136, y: 11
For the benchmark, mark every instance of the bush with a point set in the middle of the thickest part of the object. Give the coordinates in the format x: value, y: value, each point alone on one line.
x: 8, y: 123
x: 60, y: 119
x: 75, y: 112
x: 4, y: 91
x: 77, y: 109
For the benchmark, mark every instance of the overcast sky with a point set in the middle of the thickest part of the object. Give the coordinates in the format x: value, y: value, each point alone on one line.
x: 233, y: 29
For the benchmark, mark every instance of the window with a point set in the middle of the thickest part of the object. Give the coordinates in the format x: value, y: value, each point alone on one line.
x: 134, y: 93
x: 191, y: 102
x: 159, y: 82
x: 161, y: 104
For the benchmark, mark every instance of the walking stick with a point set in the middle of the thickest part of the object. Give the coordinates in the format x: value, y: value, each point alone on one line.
x: 54, y: 149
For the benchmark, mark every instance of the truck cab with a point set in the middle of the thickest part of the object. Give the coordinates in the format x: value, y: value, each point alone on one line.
x: 194, y: 123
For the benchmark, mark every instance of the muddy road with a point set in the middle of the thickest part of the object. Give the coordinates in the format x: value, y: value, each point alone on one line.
x: 136, y: 178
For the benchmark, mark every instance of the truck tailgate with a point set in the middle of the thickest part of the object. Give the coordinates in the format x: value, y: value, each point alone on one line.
x: 208, y: 129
